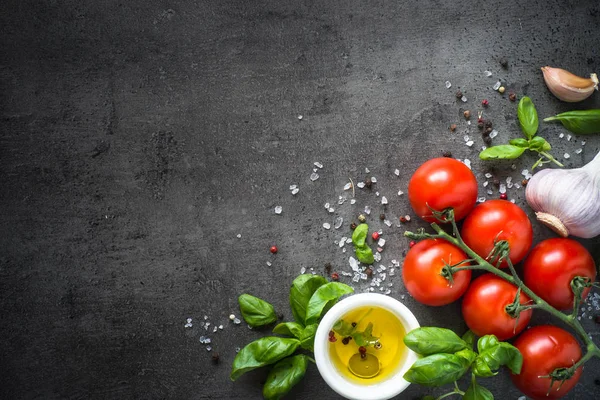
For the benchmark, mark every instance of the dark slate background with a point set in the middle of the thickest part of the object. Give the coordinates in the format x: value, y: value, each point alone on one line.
x: 139, y: 138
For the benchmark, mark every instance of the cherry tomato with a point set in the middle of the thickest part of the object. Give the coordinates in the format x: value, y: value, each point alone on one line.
x: 421, y: 272
x: 483, y: 307
x: 545, y: 348
x: 498, y: 220
x: 550, y: 267
x: 441, y: 183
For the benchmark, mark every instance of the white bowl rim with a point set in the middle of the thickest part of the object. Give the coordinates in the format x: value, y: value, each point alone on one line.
x: 386, y: 389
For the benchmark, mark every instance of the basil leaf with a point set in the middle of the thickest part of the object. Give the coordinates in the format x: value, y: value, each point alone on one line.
x: 343, y: 328
x: 307, y: 337
x: 469, y: 338
x: 581, y: 122
x: 303, y: 287
x: 528, y: 117
x: 501, y: 152
x: 284, y: 375
x: 261, y: 352
x: 539, y: 144
x: 477, y: 392
x: 365, y: 338
x: 430, y: 340
x: 437, y: 369
x: 494, y: 354
x: 467, y: 354
x: 256, y: 312
x: 323, y: 298
x: 289, y: 328
x: 365, y: 255
x: 519, y: 142
x: 359, y: 236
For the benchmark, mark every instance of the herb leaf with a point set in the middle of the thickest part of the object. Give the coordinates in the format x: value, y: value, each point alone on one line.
x: 256, y: 312
x: 528, y: 117
x: 494, y: 354
x: 477, y: 392
x: 365, y: 338
x: 289, y: 329
x: 501, y: 152
x: 307, y: 337
x: 365, y: 255
x: 323, y: 298
x: 581, y: 122
x: 284, y: 375
x: 539, y: 144
x: 303, y: 287
x: 430, y: 340
x: 519, y: 142
x: 261, y: 352
x: 362, y: 249
x: 437, y: 369
x: 469, y: 338
x: 343, y: 328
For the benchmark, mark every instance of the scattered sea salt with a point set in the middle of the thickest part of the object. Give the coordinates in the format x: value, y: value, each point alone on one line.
x: 578, y: 151
x: 562, y: 135
x: 463, y: 99
x: 208, y: 348
x: 326, y: 225
x: 384, y: 200
x: 348, y: 186
x: 352, y: 201
x: 318, y: 164
x: 278, y: 209
x: 493, y: 134
x: 338, y: 222
x: 485, y: 183
x: 215, y: 328
x: 296, y: 190
x: 583, y: 142
x: 387, y: 222
x: 467, y: 162
x: 237, y: 321
x: 341, y: 200
x: 381, y: 242
x: 327, y: 205
x: 300, y: 117
x: 342, y: 242
x: 466, y: 138
x: 569, y: 137
x: 400, y: 192
x: 373, y: 179
x: 397, y: 172
x: 331, y: 209
x: 221, y: 327
x: 481, y: 199
x: 367, y: 210
x: 302, y: 270
x: 314, y: 176
x: 487, y: 73
x: 497, y: 85
x: 502, y: 188
x: 367, y: 170
x: 490, y: 192
x: 567, y: 155
x: 188, y: 323
x: 237, y: 349
x: 448, y: 85
x: 360, y: 185
x: 377, y: 194
x: 239, y: 235
x: 470, y: 143
x: 488, y: 175
x: 292, y: 187
x: 377, y: 256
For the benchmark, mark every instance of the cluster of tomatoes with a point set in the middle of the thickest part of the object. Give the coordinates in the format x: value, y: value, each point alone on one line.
x: 547, y: 270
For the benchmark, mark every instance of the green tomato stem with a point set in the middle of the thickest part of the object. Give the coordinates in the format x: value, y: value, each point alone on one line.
x: 482, y: 264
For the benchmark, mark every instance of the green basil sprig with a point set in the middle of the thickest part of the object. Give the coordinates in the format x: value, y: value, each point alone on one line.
x: 529, y: 122
x: 361, y: 248
x: 310, y: 297
x: 256, y: 312
x: 261, y: 352
x: 447, y: 357
x: 581, y: 122
x: 284, y: 375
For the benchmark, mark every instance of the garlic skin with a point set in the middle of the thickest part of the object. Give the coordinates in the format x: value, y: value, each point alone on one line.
x: 567, y: 86
x: 567, y: 200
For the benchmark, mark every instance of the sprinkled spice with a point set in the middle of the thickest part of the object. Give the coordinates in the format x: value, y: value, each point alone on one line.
x: 453, y: 127
x: 501, y: 89
x: 273, y: 249
x: 485, y: 103
x: 362, y: 218
x: 504, y: 63
x: 346, y: 340
x: 362, y: 349
x: 403, y: 219
x: 353, y: 226
x: 446, y: 154
x: 503, y: 196
x: 381, y: 217
x: 335, y: 276
x: 368, y: 183
x: 375, y: 235
x: 459, y: 94
x: 328, y: 268
x: 215, y: 358
x: 467, y: 114
x: 524, y: 182
x: 354, y: 324
x: 512, y: 96
x: 369, y: 272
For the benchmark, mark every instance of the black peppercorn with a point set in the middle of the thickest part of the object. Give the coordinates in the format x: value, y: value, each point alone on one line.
x: 504, y: 63
x: 512, y: 97
x: 487, y: 140
x: 328, y: 268
x: 446, y: 154
x: 368, y: 183
x: 459, y: 94
x: 369, y: 272
x: 354, y: 324
x: 496, y: 182
x: 353, y: 226
x: 381, y: 217
x: 215, y: 358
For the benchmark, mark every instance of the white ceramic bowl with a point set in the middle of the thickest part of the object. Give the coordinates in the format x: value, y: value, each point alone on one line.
x: 381, y: 390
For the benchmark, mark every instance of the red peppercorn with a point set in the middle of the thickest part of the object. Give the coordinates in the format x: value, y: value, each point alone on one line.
x: 331, y: 333
x: 403, y: 220
x: 412, y: 243
x: 273, y: 249
x: 362, y: 349
x: 485, y: 103
x: 332, y: 339
x: 480, y: 120
x: 375, y: 235
x: 503, y: 196
x: 335, y: 276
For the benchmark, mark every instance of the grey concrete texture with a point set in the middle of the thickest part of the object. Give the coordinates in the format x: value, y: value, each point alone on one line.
x: 138, y: 139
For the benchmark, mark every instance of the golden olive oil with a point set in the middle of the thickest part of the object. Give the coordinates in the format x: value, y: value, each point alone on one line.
x: 391, y: 352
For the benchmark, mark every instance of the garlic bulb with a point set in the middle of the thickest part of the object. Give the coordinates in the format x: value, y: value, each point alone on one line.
x: 567, y: 86
x: 568, y: 200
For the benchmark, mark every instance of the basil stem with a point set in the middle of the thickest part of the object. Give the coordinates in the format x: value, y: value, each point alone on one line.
x: 430, y: 340
x: 301, y: 291
x: 323, y: 298
x: 581, y: 122
x: 528, y: 117
x: 261, y: 352
x: 284, y: 375
x: 477, y: 392
x: 256, y: 312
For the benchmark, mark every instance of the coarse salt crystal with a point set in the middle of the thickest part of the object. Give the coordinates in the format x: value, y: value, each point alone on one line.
x: 269, y: 263
x: 485, y: 183
x: 384, y: 200
x: 373, y: 179
x: 367, y: 210
x: 578, y: 151
x: 341, y: 200
x: 497, y: 85
x: 481, y: 199
x: 381, y: 242
x: 331, y: 209
x: 502, y: 188
x: 387, y: 222
x: 327, y: 205
x: 318, y: 164
x: 397, y: 172
x: 488, y: 175
x: 463, y: 99
x: 448, y: 85
x: 338, y: 222
x: 302, y: 270
x: 567, y: 155
x: 348, y: 186
x: 569, y: 137
x: 400, y: 192
x: 470, y: 143
x: 367, y: 170
x: 342, y: 242
x: 314, y: 176
x: 353, y: 201
x: 326, y: 225
x: 239, y: 235
x: 562, y: 135
x: 237, y: 321
x: 487, y: 73
x: 467, y: 162
x: 360, y: 185
x: 493, y: 134
x: 294, y: 191
x: 278, y: 209
x: 292, y: 187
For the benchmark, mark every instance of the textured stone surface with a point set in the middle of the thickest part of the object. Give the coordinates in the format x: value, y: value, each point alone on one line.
x: 138, y: 138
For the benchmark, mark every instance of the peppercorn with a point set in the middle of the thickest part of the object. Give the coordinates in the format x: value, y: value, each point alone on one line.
x: 512, y: 96
x: 488, y: 130
x: 215, y: 358
x: 403, y: 219
x: 362, y: 349
x: 335, y: 276
x: 459, y: 94
x: 328, y: 268
x: 331, y: 333
x: 453, y: 127
x: 504, y: 63
x: 353, y: 226
x: 487, y: 140
x: 273, y: 249
x: 488, y: 124
x: 503, y: 196
x: 368, y: 183
x: 485, y: 103
x: 501, y: 89
x: 381, y: 217
x: 332, y: 339
x: 467, y: 114
x: 363, y: 355
x: 446, y: 154
x: 524, y: 182
x: 496, y: 182
x: 369, y: 272
x: 480, y: 125
x: 354, y: 324
x: 362, y: 218
x: 375, y: 235
x: 346, y: 340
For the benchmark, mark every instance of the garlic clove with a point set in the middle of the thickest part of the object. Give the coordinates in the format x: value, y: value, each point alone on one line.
x: 567, y: 86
